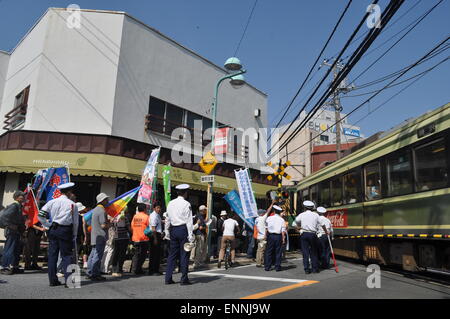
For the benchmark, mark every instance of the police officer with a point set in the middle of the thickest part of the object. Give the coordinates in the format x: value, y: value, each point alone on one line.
x: 63, y: 214
x: 308, y: 222
x: 276, y: 237
x: 179, y: 229
x: 325, y: 230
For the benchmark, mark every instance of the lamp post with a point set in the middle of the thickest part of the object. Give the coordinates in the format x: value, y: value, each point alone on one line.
x: 236, y: 80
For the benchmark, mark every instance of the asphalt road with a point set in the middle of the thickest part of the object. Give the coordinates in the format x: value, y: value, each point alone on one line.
x: 241, y: 282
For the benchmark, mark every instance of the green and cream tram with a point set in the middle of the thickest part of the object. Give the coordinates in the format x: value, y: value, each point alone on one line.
x: 389, y: 201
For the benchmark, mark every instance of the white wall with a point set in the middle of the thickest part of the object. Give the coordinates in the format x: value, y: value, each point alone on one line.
x: 150, y: 64
x: 23, y: 68
x: 4, y: 61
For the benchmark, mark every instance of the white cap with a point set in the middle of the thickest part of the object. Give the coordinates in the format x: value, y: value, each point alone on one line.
x: 66, y: 185
x: 182, y: 186
x: 223, y: 213
x: 80, y: 206
x: 308, y: 203
x: 278, y: 208
x: 321, y: 210
x: 202, y: 207
x: 101, y: 197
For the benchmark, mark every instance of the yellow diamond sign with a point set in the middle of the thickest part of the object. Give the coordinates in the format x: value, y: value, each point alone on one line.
x: 208, y: 162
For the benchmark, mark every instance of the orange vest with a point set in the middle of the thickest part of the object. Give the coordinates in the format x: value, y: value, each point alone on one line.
x: 138, y: 225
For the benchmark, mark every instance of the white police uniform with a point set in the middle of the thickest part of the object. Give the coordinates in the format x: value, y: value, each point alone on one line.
x: 309, y: 223
x: 275, y: 228
x: 324, y: 245
x: 63, y: 216
x: 179, y: 226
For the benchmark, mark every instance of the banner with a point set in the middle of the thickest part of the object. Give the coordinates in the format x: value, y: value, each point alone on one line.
x: 234, y: 201
x: 166, y: 182
x: 221, y: 141
x: 30, y: 207
x: 148, y: 178
x: 246, y: 193
x: 115, y: 206
x: 59, y: 176
x: 40, y: 182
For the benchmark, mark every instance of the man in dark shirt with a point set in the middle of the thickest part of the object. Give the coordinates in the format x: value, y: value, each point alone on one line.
x: 200, y: 223
x: 13, y: 232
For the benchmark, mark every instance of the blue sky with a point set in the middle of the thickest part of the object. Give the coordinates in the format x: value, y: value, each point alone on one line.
x: 282, y: 41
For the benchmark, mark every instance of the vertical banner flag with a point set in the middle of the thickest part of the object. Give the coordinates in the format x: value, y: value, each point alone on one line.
x: 166, y: 182
x: 30, y: 207
x: 148, y: 177
x: 220, y: 140
x: 42, y: 178
x: 234, y: 201
x: 57, y: 177
x: 246, y: 193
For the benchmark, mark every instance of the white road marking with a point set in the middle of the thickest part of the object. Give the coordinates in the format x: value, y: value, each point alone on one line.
x: 204, y: 273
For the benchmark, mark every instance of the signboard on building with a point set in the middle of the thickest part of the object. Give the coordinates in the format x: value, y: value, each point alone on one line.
x: 221, y: 140
x: 352, y: 132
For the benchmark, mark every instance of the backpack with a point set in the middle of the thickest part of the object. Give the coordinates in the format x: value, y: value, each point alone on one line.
x: 7, y: 214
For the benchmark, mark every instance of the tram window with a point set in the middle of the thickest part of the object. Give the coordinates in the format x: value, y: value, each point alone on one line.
x: 336, y: 191
x: 305, y: 194
x: 324, y: 194
x: 431, y: 166
x: 399, y: 174
x: 313, y: 193
x: 352, y: 187
x: 372, y: 181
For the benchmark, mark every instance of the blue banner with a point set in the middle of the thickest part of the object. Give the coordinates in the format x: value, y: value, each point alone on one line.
x: 234, y: 201
x: 55, y: 177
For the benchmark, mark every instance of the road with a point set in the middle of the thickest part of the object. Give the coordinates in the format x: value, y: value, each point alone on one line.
x: 241, y: 282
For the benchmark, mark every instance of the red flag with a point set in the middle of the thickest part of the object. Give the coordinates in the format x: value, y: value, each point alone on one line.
x: 30, y: 208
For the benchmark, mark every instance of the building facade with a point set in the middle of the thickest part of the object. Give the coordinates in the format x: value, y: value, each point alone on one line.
x: 98, y: 97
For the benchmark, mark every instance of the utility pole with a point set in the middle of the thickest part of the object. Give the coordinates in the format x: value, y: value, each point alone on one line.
x: 336, y: 102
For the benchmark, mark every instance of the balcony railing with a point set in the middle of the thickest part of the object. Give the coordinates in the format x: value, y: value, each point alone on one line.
x: 15, y: 117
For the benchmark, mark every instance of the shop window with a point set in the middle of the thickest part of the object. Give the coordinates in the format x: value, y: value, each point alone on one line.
x: 336, y: 191
x: 372, y: 181
x: 399, y: 174
x: 352, y: 187
x: 313, y: 193
x: 431, y: 166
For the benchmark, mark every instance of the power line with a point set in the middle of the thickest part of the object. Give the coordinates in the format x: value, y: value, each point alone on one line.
x: 378, y: 92
x: 315, y: 62
x: 396, y: 42
x: 387, y: 14
x: 246, y: 26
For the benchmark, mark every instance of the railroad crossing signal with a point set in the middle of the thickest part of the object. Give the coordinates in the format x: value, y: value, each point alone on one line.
x: 279, y: 173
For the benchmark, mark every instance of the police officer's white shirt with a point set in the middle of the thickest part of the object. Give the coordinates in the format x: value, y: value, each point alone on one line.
x: 275, y: 224
x: 155, y: 221
x: 324, y: 222
x: 179, y: 213
x: 63, y: 211
x: 308, y: 221
x: 260, y: 222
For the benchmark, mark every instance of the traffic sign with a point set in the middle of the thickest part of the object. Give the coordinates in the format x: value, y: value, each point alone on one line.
x: 208, y: 162
x: 207, y: 179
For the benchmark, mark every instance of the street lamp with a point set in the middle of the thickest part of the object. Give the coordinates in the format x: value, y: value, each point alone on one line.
x: 234, y: 66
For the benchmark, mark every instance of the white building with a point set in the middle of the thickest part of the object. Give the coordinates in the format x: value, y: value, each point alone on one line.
x: 99, y: 97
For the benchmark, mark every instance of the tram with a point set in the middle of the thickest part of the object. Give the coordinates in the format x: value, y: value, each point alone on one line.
x: 389, y: 201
